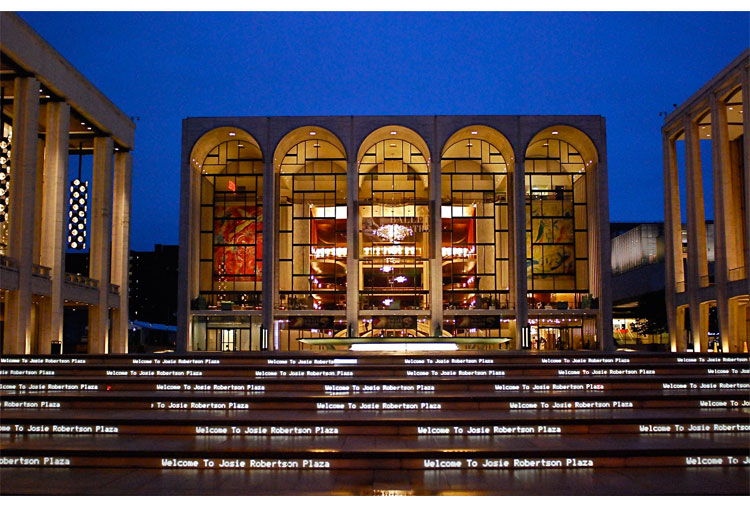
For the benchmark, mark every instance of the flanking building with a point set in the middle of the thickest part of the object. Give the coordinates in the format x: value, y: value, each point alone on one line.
x: 713, y: 121
x: 49, y: 110
x: 484, y: 231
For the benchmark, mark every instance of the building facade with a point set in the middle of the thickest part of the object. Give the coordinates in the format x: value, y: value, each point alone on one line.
x: 49, y: 110
x: 299, y: 232
x: 713, y: 121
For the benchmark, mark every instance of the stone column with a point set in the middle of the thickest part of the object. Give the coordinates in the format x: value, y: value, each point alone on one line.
x: 723, y: 221
x: 121, y: 247
x: 39, y: 186
x: 352, y: 245
x: 270, y: 253
x: 188, y: 268
x: 435, y: 245
x: 673, y: 240
x: 21, y: 212
x: 697, y: 258
x: 604, y: 261
x: 100, y: 241
x: 54, y: 221
x: 518, y: 205
x: 746, y: 150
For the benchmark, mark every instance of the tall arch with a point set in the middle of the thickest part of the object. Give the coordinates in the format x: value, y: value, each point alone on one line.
x: 476, y: 163
x: 310, y: 163
x: 562, y: 236
x: 228, y: 164
x: 393, y: 165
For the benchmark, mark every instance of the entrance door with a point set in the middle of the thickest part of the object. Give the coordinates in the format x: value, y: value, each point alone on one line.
x: 227, y: 340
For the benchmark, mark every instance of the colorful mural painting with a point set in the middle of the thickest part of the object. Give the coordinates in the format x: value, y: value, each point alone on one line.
x: 551, y: 242
x: 238, y: 242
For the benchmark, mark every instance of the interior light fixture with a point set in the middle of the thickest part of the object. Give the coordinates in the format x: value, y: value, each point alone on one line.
x: 393, y: 232
x: 77, y: 208
x: 232, y: 134
x: 313, y: 133
x: 474, y: 132
x: 555, y: 132
x: 5, y: 157
x: 393, y: 132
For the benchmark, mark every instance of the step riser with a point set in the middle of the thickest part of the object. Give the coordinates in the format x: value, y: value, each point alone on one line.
x: 441, y: 462
x: 239, y: 430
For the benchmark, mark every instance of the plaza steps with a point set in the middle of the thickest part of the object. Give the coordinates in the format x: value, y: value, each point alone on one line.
x: 475, y: 412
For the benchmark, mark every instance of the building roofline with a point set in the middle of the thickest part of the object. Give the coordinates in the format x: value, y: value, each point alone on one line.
x: 742, y: 60
x: 33, y: 54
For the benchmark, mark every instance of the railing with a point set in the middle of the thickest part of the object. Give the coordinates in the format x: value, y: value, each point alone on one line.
x: 486, y: 302
x: 114, y: 289
x: 736, y: 274
x: 83, y: 281
x: 8, y: 262
x: 39, y: 270
x: 579, y: 302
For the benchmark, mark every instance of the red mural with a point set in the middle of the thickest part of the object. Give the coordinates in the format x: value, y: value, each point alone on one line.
x: 238, y: 242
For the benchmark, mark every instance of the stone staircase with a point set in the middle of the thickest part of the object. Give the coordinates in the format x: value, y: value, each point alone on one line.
x: 381, y: 423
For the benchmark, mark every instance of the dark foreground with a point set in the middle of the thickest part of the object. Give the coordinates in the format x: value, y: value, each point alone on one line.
x: 376, y: 424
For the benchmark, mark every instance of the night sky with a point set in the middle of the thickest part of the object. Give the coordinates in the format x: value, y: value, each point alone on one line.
x: 163, y: 67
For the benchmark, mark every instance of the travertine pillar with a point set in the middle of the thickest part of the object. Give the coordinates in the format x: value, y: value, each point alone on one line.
x: 603, y: 262
x: 723, y: 222
x: 697, y: 258
x: 746, y: 150
x: 270, y: 253
x: 435, y: 245
x: 121, y: 247
x: 673, y: 241
x: 21, y: 212
x: 352, y: 243
x: 100, y: 249
x: 39, y: 187
x: 518, y: 204
x: 54, y: 221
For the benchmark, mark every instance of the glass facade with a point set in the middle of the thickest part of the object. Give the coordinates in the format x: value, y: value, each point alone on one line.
x: 231, y: 226
x: 556, y: 226
x: 390, y: 244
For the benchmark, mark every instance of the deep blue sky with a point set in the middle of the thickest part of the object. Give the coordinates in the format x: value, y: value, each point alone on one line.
x: 163, y: 67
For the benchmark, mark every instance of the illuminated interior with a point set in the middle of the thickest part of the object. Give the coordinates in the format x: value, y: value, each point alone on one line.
x: 231, y: 232
x: 393, y: 233
x: 556, y: 225
x: 371, y: 246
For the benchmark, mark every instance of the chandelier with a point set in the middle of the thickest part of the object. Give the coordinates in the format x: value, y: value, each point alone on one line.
x: 393, y: 232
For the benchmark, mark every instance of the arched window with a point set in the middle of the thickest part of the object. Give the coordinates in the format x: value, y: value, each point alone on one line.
x: 312, y: 227
x: 556, y: 224
x: 231, y: 225
x: 475, y: 249
x: 393, y: 254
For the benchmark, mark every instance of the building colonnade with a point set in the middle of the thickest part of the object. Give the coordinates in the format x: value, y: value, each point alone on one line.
x: 49, y: 112
x: 707, y: 302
